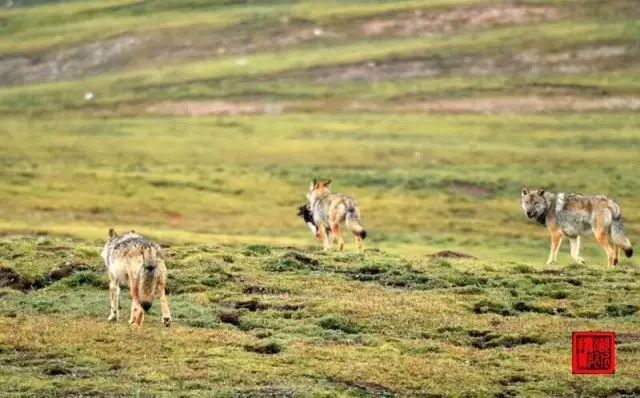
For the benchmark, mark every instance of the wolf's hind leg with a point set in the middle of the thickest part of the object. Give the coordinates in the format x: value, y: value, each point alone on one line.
x: 602, y: 236
x: 136, y: 308
x: 556, y: 240
x: 114, y: 299
x: 335, y: 234
x: 575, y: 250
x: 322, y: 233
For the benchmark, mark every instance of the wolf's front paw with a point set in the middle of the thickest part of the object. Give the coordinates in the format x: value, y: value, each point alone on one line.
x: 167, y: 321
x: 112, y: 318
x: 580, y: 261
x: 551, y: 262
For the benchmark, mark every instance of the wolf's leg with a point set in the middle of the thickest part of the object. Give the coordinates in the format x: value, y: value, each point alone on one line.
x: 358, y: 242
x: 136, y: 308
x: 602, y: 236
x: 616, y: 254
x: 114, y: 298
x: 575, y: 250
x: 556, y: 240
x: 164, y: 303
x: 322, y: 231
x: 335, y: 234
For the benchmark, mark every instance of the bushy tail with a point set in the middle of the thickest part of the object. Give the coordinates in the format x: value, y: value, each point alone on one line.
x: 148, y: 278
x: 353, y: 222
x: 617, y: 230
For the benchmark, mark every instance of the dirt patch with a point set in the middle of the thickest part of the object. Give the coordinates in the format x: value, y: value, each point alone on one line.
x: 10, y: 278
x: 266, y: 348
x: 266, y: 392
x: 530, y: 104
x: 304, y: 259
x: 625, y: 338
x: 204, y: 108
x: 57, y: 369
x: 84, y: 60
x: 292, y: 261
x: 259, y: 289
x: 65, y: 271
x: 230, y: 317
x: 451, y: 254
x: 365, y: 388
x: 471, y: 189
x: 525, y: 104
x: 527, y: 62
x: 485, y: 339
x: 419, y: 23
x: 251, y: 305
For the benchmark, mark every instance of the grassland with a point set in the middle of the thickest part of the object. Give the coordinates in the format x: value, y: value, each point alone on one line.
x: 207, y: 122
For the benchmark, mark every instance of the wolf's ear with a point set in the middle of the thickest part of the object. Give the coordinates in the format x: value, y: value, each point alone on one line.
x: 540, y: 191
x: 112, y: 233
x: 313, y: 184
x: 327, y: 183
x: 525, y: 191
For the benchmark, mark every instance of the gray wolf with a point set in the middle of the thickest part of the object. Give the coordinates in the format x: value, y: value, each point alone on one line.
x: 329, y: 210
x: 134, y: 260
x: 574, y: 215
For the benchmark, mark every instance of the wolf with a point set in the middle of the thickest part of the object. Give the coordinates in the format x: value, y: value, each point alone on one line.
x: 574, y: 215
x: 328, y: 210
x: 133, y: 259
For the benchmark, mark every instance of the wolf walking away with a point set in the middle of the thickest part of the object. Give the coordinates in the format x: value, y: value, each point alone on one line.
x: 329, y: 210
x: 574, y: 215
x: 134, y: 260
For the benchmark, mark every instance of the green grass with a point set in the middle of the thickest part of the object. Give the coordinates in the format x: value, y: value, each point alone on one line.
x: 338, y: 323
x: 258, y: 308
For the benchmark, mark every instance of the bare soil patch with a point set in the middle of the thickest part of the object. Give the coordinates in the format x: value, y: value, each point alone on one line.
x: 10, y: 278
x: 486, y: 105
x: 204, y: 108
x: 532, y: 62
x: 451, y: 254
x: 471, y: 189
x: 462, y: 18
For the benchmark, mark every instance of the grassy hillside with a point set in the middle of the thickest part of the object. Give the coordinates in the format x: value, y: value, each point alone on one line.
x: 200, y: 124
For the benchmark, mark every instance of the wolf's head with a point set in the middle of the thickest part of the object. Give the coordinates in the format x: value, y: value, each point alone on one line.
x: 534, y: 203
x: 317, y: 189
x: 105, y: 250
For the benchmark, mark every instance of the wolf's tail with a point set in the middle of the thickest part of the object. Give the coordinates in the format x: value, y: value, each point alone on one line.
x: 148, y: 278
x: 353, y: 222
x: 617, y: 230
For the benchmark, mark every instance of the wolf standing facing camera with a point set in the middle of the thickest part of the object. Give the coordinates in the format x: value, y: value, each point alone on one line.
x: 132, y: 259
x: 573, y: 215
x: 329, y: 210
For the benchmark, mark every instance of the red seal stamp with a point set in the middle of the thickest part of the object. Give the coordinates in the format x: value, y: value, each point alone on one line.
x: 594, y: 353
